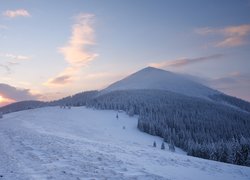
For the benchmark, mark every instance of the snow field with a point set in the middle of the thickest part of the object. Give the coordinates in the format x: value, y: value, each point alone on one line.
x: 81, y: 143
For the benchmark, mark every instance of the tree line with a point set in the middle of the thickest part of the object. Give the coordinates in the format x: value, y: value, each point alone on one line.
x: 202, y: 127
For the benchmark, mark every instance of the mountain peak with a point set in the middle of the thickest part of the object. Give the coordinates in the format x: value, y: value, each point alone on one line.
x: 150, y: 68
x: 154, y: 78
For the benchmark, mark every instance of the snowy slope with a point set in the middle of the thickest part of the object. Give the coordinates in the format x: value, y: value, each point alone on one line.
x: 80, y: 143
x: 153, y: 78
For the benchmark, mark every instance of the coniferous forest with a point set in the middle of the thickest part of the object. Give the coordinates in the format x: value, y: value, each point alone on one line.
x: 202, y: 127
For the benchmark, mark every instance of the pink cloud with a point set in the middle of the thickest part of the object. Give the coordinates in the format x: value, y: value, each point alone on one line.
x: 61, y: 80
x: 184, y: 61
x: 66, y: 77
x: 232, y: 35
x: 75, y: 52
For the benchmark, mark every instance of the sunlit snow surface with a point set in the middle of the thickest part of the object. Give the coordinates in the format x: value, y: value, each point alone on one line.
x: 81, y: 143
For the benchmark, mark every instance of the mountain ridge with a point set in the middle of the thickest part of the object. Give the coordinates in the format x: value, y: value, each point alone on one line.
x: 154, y: 78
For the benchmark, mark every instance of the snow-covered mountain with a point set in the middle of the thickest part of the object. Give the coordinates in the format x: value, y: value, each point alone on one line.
x: 81, y: 143
x: 198, y: 119
x: 202, y: 121
x: 153, y: 78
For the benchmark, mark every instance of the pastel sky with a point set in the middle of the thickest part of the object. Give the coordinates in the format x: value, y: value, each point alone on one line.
x: 51, y: 49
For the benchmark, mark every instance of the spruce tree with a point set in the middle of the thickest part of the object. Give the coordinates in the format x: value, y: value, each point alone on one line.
x: 162, y: 146
x: 154, y: 144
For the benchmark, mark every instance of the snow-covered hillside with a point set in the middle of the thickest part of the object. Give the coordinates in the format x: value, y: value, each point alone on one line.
x: 81, y: 143
x: 153, y: 78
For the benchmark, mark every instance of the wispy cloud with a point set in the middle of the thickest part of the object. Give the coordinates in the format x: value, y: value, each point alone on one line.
x: 82, y: 35
x: 7, y: 66
x: 14, y: 57
x: 64, y: 79
x: 232, y: 35
x: 185, y: 61
x: 76, y: 51
x: 11, y: 60
x: 16, y: 13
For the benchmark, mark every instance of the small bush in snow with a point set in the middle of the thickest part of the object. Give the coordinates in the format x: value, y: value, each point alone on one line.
x: 154, y: 144
x: 162, y: 146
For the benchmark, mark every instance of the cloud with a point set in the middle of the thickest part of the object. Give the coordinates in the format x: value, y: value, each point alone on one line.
x: 8, y: 66
x: 185, y: 61
x: 12, y: 60
x: 16, y: 13
x: 232, y: 35
x: 66, y: 77
x: 61, y: 80
x: 15, y: 94
x: 76, y: 51
x: 14, y: 57
x: 82, y: 35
